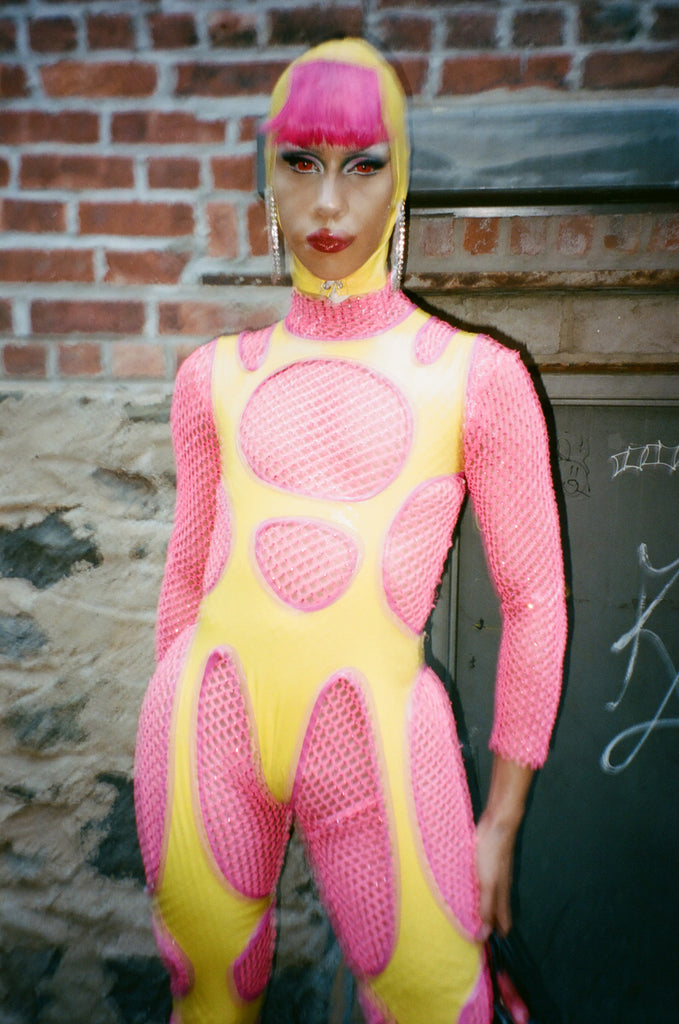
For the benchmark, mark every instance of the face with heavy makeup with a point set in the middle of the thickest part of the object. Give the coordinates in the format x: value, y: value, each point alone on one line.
x: 337, y: 163
x: 334, y: 203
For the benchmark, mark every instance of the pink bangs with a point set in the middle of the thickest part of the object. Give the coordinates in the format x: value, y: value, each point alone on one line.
x: 332, y: 103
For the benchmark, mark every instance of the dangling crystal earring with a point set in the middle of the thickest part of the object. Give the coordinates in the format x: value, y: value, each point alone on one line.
x: 397, y: 254
x: 274, y: 235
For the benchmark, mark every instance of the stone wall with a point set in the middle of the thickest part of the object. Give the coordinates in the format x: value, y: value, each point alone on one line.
x: 126, y: 183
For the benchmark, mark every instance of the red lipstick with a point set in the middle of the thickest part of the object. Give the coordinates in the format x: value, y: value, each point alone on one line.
x: 325, y: 241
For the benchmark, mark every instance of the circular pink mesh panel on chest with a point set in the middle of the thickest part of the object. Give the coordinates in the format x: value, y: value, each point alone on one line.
x: 326, y: 429
x: 341, y: 808
x: 152, y: 755
x: 442, y: 804
x: 416, y: 548
x: 246, y: 828
x: 306, y: 563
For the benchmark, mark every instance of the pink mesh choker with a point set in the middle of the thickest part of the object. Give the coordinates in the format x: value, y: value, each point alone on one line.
x: 356, y: 317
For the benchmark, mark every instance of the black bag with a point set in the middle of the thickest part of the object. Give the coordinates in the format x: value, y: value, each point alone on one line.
x: 508, y: 1006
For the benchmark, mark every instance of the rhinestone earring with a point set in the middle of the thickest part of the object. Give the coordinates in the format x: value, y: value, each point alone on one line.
x: 274, y: 235
x: 397, y: 253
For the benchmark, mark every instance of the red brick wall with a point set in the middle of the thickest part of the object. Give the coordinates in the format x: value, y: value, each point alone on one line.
x: 127, y: 134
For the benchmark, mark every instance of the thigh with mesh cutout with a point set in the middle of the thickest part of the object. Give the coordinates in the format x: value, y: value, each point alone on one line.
x: 152, y: 757
x: 245, y: 827
x: 441, y: 799
x: 340, y: 804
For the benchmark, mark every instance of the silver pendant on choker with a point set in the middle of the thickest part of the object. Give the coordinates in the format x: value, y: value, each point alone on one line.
x: 332, y: 289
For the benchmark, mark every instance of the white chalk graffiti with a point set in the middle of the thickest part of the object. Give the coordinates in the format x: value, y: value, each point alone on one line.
x: 666, y: 576
x: 642, y: 456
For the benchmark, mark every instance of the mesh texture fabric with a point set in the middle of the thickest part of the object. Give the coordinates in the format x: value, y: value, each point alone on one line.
x: 432, y: 340
x: 152, y: 756
x: 292, y: 438
x: 416, y: 547
x: 175, y: 960
x: 253, y: 347
x: 340, y: 806
x: 252, y: 969
x: 307, y: 564
x: 246, y: 828
x: 359, y: 316
x: 442, y: 805
x: 479, y: 1008
x: 196, y: 448
x: 508, y: 471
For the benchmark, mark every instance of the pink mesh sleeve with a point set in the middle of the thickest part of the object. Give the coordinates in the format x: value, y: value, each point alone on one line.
x: 508, y: 472
x: 196, y: 448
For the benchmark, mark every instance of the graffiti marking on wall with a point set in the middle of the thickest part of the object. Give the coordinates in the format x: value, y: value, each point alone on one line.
x: 574, y: 466
x: 643, y: 456
x: 666, y: 577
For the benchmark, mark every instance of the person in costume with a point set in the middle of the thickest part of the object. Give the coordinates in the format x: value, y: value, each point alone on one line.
x: 321, y: 466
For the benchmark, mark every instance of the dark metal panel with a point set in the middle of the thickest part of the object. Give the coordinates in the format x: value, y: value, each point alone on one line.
x: 551, y: 152
x: 546, y: 153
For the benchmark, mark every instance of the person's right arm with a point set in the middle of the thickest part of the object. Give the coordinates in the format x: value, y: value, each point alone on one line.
x: 197, y: 458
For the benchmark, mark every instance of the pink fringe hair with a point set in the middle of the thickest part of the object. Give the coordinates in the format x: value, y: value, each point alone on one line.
x: 332, y: 103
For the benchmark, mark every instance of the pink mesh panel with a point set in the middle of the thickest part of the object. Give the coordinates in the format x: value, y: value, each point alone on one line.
x: 220, y: 542
x: 359, y: 316
x: 479, y: 1007
x: 326, y: 429
x: 253, y: 347
x: 442, y: 805
x: 432, y: 340
x: 252, y: 969
x: 416, y: 547
x: 151, y: 758
x: 246, y: 828
x: 197, y: 456
x: 341, y: 809
x: 508, y: 471
x: 374, y: 1010
x: 176, y: 961
x: 306, y: 563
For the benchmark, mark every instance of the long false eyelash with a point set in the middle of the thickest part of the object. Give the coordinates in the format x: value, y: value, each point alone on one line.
x: 293, y: 156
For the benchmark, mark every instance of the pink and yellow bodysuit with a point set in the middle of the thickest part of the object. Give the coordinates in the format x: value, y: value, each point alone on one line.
x: 321, y: 466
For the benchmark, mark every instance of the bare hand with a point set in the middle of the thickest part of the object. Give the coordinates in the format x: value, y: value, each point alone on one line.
x: 494, y: 861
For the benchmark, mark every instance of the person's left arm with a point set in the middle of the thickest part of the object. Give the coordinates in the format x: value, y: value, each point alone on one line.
x: 508, y: 472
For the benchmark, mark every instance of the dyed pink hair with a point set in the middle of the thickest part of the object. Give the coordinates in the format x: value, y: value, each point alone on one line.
x: 332, y: 103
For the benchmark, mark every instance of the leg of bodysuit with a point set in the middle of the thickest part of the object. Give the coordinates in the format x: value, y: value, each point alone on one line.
x: 382, y: 799
x: 214, y: 854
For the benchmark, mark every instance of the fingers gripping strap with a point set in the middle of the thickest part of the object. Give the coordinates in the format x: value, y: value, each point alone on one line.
x: 342, y: 811
x: 442, y: 805
x: 246, y: 828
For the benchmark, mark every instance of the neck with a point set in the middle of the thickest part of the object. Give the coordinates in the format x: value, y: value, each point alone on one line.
x: 371, y: 277
x: 359, y: 316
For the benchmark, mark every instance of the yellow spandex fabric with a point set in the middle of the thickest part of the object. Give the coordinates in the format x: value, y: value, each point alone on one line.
x: 286, y: 655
